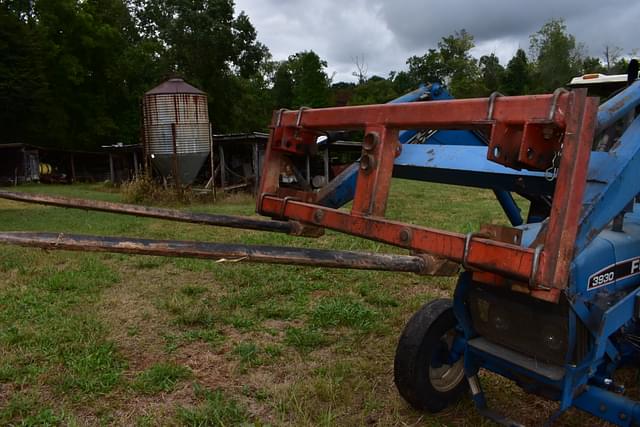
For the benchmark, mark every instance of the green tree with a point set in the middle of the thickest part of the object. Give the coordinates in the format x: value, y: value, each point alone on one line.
x: 93, y: 68
x: 451, y: 64
x: 428, y: 68
x: 203, y: 42
x: 492, y: 72
x: 376, y: 90
x: 74, y: 70
x: 619, y: 67
x: 592, y: 64
x: 341, y: 93
x: 251, y: 55
x: 403, y: 82
x: 24, y: 92
x: 558, y: 56
x: 462, y: 71
x: 310, y: 81
x: 283, y: 86
x: 517, y: 75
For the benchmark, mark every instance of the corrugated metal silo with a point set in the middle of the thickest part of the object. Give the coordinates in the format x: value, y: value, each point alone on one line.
x: 176, y: 129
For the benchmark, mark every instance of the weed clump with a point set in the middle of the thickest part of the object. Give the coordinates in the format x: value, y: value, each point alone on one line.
x: 145, y: 190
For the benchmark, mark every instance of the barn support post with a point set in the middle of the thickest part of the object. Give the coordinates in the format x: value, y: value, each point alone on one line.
x: 135, y: 165
x: 73, y: 168
x: 112, y: 172
x: 223, y: 174
x: 256, y: 167
x: 211, y: 163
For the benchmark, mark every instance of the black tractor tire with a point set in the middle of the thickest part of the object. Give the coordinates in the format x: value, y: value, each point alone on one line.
x: 426, y: 334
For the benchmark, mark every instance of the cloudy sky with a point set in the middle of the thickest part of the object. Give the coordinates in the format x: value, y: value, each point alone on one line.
x: 387, y: 32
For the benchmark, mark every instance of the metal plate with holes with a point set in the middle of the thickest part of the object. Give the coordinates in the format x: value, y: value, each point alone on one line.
x: 502, y: 233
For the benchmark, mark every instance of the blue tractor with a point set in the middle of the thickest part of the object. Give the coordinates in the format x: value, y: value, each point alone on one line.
x: 552, y: 302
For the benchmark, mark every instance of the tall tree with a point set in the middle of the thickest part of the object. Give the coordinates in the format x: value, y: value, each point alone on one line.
x: 517, y: 76
x: 310, y: 81
x: 492, y: 72
x: 592, y: 64
x: 558, y: 56
x: 461, y: 69
x: 92, y: 67
x: 74, y: 70
x: 205, y: 43
x: 24, y: 91
x: 283, y: 86
x: 428, y: 68
x: 451, y: 64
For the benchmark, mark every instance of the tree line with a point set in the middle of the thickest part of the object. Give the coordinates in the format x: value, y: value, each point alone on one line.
x: 72, y: 72
x: 554, y: 57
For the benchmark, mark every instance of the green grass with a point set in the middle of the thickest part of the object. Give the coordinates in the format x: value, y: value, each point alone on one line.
x: 24, y: 409
x: 161, y: 377
x: 189, y: 309
x: 215, y: 410
x: 248, y: 353
x: 344, y: 311
x: 58, y: 343
x: 304, y: 339
x: 85, y: 338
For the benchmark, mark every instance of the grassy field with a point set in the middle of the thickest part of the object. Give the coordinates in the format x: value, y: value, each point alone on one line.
x: 106, y: 339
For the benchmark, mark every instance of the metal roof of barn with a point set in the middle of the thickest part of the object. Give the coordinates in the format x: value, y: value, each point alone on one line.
x: 259, y: 137
x: 175, y: 85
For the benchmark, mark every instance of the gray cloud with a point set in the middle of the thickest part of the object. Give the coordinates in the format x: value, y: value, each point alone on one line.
x: 387, y: 32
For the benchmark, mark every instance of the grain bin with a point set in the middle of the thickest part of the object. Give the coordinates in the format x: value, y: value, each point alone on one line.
x: 176, y: 129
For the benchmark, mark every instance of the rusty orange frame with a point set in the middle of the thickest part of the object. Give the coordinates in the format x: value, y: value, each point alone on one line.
x: 543, y: 268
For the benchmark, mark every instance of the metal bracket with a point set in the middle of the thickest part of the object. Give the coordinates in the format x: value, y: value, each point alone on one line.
x: 467, y: 243
x: 534, y: 268
x: 286, y: 200
x: 492, y: 101
x: 299, y: 116
x: 262, y: 196
x: 279, y: 117
x: 554, y: 102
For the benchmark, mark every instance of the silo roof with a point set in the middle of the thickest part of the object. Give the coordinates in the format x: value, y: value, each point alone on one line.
x: 175, y: 85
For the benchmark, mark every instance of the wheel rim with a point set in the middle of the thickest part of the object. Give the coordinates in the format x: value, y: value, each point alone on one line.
x: 445, y: 377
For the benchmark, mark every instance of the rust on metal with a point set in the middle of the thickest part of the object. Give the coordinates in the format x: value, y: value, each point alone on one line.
x: 220, y: 252
x: 437, y: 266
x: 571, y: 182
x: 525, y: 132
x: 373, y: 184
x: 507, y: 259
x: 502, y: 233
x: 305, y: 230
x: 167, y: 214
x: 456, y: 113
x: 176, y: 129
